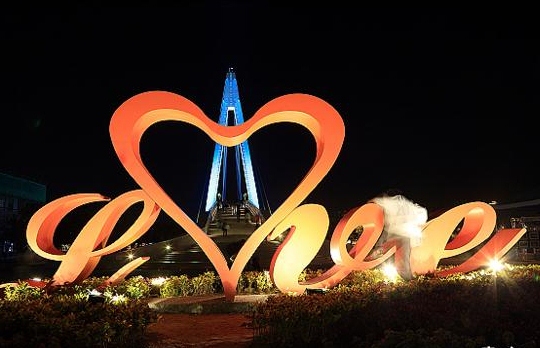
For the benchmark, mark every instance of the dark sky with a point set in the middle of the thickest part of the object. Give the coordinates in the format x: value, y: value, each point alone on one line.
x: 440, y: 103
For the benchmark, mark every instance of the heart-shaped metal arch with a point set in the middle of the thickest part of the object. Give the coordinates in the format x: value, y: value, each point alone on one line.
x: 138, y: 113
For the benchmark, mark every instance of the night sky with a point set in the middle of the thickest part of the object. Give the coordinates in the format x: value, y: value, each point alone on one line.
x: 438, y: 103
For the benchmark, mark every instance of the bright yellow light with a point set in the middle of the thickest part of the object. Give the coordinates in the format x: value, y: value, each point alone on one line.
x: 130, y: 256
x: 390, y: 272
x: 496, y: 265
x: 167, y: 247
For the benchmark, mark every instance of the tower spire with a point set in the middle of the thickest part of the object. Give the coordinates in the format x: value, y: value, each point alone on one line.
x: 231, y: 115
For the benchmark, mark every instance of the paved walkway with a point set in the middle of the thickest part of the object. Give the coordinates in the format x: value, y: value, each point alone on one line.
x: 200, y: 330
x: 202, y: 321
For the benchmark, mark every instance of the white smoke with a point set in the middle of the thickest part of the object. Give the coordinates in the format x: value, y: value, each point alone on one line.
x: 402, y: 217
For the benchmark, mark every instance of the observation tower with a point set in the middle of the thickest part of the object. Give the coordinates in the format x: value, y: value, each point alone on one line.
x: 245, y: 190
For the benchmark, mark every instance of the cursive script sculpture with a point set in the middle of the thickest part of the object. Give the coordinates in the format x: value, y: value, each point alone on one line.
x: 306, y: 224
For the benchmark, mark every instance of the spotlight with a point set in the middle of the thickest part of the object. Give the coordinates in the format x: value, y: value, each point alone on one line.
x: 95, y: 297
x: 315, y: 291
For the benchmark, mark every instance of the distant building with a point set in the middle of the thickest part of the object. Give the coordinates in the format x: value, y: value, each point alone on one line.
x: 523, y: 214
x: 19, y: 199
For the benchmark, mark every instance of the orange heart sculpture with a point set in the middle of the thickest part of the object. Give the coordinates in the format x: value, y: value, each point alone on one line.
x: 307, y: 224
x: 138, y: 113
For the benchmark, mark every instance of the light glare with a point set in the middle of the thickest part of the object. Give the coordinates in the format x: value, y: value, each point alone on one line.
x: 390, y: 272
x: 496, y: 265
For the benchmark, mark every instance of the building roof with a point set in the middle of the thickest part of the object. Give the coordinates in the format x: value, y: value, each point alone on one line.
x: 22, y: 188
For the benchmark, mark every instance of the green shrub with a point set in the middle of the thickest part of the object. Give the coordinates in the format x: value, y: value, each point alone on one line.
x: 135, y: 287
x: 176, y: 286
x: 60, y: 321
x: 22, y: 292
x: 255, y: 282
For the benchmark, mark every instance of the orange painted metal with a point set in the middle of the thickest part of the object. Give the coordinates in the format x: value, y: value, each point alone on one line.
x: 305, y: 225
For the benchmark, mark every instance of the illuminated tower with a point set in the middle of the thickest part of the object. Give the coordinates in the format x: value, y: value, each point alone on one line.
x: 231, y: 115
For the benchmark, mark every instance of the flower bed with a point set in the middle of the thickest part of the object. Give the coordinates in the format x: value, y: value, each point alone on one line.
x: 478, y: 309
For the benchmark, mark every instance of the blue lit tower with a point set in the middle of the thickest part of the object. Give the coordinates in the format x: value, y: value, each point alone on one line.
x: 230, y: 115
